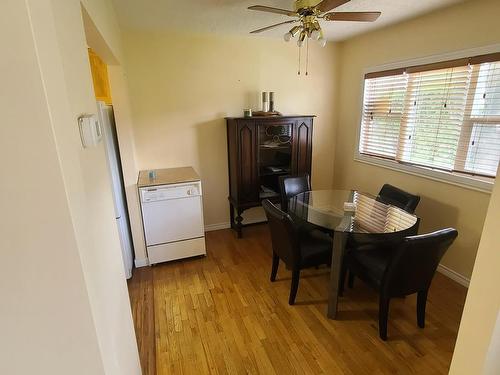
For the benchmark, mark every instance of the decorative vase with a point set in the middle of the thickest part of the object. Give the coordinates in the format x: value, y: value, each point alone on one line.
x: 265, y: 101
x: 271, y: 101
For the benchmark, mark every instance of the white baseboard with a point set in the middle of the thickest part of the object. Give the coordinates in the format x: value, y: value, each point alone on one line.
x: 455, y: 276
x: 141, y: 263
x: 218, y: 226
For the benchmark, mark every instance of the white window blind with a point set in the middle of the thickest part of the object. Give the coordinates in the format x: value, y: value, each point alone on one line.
x: 444, y: 116
x: 382, y: 113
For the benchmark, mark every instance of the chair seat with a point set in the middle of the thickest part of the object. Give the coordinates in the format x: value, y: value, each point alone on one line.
x: 304, y: 227
x: 401, y: 270
x: 316, y: 248
x: 369, y: 262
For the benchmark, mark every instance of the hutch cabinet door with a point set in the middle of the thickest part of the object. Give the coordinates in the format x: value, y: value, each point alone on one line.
x: 302, y: 144
x: 248, y: 184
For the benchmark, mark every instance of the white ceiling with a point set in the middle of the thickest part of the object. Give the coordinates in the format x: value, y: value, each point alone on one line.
x: 232, y: 16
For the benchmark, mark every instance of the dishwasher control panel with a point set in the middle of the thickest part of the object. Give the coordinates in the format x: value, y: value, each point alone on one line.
x: 165, y: 192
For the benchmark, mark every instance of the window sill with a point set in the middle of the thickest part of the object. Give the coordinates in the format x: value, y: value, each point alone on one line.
x: 482, y: 185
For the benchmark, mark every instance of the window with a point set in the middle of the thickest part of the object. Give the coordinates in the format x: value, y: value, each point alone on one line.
x: 443, y: 116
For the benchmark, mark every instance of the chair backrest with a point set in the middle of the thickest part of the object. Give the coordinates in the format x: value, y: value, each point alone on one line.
x: 284, y: 234
x: 415, y: 261
x: 290, y: 186
x: 392, y: 195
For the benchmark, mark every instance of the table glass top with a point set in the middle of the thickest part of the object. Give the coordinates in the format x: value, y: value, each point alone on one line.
x: 349, y: 211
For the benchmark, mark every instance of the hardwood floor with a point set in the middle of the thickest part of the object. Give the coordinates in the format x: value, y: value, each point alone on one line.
x: 221, y: 315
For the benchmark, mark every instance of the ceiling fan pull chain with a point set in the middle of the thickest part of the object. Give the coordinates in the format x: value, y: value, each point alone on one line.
x: 299, y: 62
x: 307, y: 56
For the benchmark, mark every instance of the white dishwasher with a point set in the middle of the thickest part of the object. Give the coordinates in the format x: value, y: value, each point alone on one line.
x: 172, y: 214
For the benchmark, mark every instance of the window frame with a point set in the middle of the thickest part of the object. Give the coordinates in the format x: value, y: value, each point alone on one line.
x: 478, y: 183
x: 470, y: 120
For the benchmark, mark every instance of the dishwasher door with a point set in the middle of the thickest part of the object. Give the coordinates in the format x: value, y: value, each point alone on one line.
x: 172, y: 213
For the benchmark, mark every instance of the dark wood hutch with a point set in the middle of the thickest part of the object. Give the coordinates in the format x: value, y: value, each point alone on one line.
x: 260, y: 149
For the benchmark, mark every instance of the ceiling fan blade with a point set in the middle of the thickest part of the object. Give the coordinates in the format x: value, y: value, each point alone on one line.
x: 327, y: 5
x: 263, y: 8
x: 352, y: 16
x: 271, y: 27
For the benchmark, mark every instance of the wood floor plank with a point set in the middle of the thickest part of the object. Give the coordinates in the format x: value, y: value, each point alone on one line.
x: 142, y: 302
x: 220, y: 314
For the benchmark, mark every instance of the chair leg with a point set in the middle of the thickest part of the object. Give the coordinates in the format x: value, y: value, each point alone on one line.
x: 383, y: 314
x: 350, y: 282
x: 421, y: 303
x: 274, y: 269
x: 294, y: 287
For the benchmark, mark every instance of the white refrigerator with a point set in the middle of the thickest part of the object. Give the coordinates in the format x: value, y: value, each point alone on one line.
x: 107, y: 121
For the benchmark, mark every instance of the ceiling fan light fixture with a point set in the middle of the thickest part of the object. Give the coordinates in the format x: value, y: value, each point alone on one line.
x: 316, y: 34
x: 295, y: 30
x: 308, y: 13
x: 292, y: 33
x: 302, y: 37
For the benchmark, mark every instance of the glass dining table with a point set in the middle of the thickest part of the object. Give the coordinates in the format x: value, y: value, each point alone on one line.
x: 355, y: 219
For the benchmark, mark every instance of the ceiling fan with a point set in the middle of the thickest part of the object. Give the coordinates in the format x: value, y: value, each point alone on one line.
x: 308, y: 13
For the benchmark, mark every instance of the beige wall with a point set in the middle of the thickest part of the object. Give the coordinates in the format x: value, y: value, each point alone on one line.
x: 476, y: 351
x: 46, y: 321
x: 492, y: 362
x: 86, y: 175
x: 102, y: 14
x: 121, y: 106
x: 464, y: 26
x: 67, y: 259
x: 182, y: 86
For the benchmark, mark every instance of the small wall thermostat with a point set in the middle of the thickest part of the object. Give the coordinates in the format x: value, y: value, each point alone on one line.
x: 90, y: 130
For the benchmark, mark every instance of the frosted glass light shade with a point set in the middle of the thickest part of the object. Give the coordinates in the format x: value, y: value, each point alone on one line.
x: 315, y: 34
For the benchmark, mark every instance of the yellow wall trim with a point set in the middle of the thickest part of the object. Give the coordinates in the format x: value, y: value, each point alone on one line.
x: 100, y: 78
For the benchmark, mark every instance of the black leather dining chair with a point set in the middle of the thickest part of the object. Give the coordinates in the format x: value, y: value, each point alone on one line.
x: 392, y: 195
x: 291, y: 186
x: 297, y: 249
x: 404, y: 270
